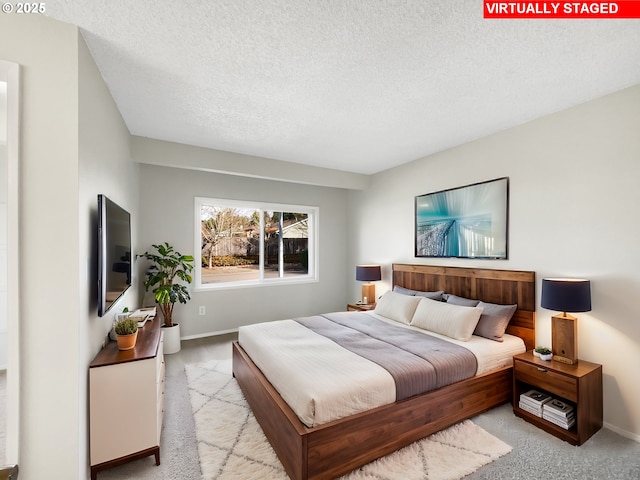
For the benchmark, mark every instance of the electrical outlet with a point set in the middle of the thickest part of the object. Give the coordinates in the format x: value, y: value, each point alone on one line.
x: 202, y: 310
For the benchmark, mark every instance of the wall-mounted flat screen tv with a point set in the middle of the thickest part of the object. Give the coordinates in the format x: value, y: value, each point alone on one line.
x: 114, y: 253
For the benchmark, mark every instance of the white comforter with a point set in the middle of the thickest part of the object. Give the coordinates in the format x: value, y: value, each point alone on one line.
x: 322, y: 381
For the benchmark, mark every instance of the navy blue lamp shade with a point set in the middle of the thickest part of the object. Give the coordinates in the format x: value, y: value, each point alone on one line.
x: 368, y: 273
x: 566, y: 294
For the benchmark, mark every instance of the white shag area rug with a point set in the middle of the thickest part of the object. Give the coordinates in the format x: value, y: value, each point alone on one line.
x: 231, y: 445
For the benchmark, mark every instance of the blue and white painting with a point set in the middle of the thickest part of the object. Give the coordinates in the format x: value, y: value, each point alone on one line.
x: 467, y: 222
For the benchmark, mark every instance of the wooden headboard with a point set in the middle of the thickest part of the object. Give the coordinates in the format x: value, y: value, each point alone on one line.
x: 494, y: 286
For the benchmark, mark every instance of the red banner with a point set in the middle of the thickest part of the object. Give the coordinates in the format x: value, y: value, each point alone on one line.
x: 562, y: 9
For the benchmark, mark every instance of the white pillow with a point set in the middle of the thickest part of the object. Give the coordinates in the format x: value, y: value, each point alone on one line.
x: 454, y: 321
x: 397, y: 307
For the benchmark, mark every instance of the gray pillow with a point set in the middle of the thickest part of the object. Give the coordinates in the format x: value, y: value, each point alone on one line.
x: 432, y: 295
x: 494, y: 320
x: 405, y: 291
x: 465, y: 302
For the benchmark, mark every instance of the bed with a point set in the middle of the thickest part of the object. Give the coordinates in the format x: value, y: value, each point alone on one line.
x: 332, y: 449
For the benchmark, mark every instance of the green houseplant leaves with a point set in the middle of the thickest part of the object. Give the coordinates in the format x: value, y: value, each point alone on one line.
x: 167, y: 265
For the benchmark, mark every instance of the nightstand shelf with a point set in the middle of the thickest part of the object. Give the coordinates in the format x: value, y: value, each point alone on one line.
x: 360, y: 307
x: 579, y: 385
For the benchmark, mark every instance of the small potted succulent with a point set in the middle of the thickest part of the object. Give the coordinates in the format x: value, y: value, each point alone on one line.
x: 544, y: 353
x: 126, y: 333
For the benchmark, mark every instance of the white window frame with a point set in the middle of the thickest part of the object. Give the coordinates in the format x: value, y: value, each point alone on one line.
x: 313, y: 222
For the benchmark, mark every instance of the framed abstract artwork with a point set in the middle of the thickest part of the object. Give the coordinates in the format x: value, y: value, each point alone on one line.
x: 464, y: 222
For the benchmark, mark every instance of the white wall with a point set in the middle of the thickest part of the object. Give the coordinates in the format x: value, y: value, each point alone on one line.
x: 74, y: 146
x: 49, y: 203
x: 3, y: 113
x: 170, y: 154
x: 573, y: 195
x: 10, y: 74
x: 105, y: 166
x: 166, y: 213
x: 3, y: 227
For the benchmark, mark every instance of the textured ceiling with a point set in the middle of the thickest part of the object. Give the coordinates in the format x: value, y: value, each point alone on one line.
x: 354, y: 85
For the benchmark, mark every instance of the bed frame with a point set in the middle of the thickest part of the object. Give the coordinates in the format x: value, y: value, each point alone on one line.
x: 334, y: 449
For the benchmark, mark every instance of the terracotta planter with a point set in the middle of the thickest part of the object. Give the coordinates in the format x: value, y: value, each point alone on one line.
x: 127, y: 342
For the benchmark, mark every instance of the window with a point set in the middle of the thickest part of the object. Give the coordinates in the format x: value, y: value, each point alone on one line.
x: 250, y: 243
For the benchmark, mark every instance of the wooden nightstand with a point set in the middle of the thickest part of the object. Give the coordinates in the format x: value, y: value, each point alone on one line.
x: 360, y: 307
x: 579, y: 385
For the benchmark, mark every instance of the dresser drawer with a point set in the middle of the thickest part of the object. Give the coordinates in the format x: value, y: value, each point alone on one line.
x: 553, y: 382
x: 160, y: 352
x: 160, y: 382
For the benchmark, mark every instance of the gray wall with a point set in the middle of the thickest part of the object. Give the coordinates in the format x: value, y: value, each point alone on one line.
x: 167, y: 214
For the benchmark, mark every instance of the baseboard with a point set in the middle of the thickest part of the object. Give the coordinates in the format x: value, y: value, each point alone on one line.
x: 209, y: 334
x: 631, y: 436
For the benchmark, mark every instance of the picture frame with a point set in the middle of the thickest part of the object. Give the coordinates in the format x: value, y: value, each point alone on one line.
x: 471, y: 221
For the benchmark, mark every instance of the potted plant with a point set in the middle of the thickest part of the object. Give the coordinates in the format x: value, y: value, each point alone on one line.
x: 544, y: 353
x: 116, y: 318
x: 126, y: 333
x: 167, y: 266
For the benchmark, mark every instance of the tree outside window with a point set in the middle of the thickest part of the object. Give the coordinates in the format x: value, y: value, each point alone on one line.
x: 248, y: 243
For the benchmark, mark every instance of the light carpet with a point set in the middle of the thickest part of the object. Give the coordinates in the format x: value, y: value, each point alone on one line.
x: 232, y: 446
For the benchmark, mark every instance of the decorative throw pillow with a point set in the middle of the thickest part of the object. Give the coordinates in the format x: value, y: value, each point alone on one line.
x: 494, y: 320
x: 465, y: 302
x: 454, y: 321
x: 397, y: 307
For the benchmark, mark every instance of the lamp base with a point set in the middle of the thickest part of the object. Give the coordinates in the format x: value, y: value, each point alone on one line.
x: 564, y: 338
x: 368, y: 293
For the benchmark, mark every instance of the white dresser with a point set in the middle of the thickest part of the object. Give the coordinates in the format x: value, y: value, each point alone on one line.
x: 126, y: 401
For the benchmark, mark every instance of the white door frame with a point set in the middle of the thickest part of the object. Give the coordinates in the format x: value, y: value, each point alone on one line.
x: 10, y: 73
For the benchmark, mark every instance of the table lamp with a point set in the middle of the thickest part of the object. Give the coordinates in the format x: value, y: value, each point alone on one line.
x: 368, y: 273
x: 565, y: 295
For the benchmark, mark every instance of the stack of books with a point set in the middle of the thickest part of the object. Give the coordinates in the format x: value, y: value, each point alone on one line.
x: 533, y: 402
x: 141, y: 315
x: 559, y: 413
